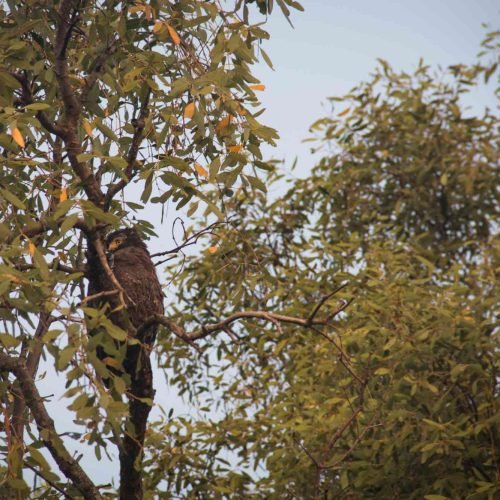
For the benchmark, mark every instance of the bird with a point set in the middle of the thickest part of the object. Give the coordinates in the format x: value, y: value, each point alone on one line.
x: 129, y: 259
x: 126, y: 362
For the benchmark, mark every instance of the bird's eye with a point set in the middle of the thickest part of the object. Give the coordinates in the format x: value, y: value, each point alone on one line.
x: 115, y: 244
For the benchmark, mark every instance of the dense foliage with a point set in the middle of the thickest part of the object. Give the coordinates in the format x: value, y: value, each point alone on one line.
x: 337, y: 342
x: 396, y: 396
x: 105, y: 106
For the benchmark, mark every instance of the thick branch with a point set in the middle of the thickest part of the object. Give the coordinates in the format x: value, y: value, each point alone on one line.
x: 68, y: 17
x: 68, y: 465
x: 32, y: 230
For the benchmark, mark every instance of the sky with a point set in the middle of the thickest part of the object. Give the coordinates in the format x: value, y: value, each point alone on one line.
x: 334, y: 45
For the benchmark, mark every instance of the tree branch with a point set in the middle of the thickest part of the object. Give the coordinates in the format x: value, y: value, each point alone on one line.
x: 68, y: 465
x: 27, y: 98
x: 48, y: 481
x: 68, y: 17
x: 131, y: 168
x: 32, y: 230
x: 95, y: 70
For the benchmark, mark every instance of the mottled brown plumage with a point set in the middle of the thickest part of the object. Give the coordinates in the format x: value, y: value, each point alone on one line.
x: 132, y: 266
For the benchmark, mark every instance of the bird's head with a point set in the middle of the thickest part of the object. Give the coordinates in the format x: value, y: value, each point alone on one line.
x: 123, y: 238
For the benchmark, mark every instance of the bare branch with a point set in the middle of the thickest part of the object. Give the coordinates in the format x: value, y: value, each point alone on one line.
x: 68, y: 18
x: 352, y: 448
x: 68, y: 465
x: 106, y: 293
x: 190, y: 240
x: 340, y: 431
x: 322, y: 301
x: 109, y: 273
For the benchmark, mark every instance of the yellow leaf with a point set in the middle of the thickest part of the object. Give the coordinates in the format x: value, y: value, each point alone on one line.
x: 64, y: 194
x: 258, y: 86
x: 158, y: 27
x: 223, y: 123
x: 18, y: 138
x: 212, y: 249
x: 31, y: 248
x: 201, y: 171
x: 173, y: 35
x: 88, y: 128
x: 189, y: 110
x: 342, y: 113
x: 235, y: 149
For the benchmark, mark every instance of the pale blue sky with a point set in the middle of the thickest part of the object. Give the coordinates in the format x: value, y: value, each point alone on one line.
x: 333, y: 47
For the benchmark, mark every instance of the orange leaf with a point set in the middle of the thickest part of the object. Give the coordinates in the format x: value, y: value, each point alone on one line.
x: 201, y: 171
x: 31, y: 248
x: 235, y: 149
x: 342, y: 113
x: 173, y: 35
x: 189, y: 110
x: 224, y: 123
x: 62, y: 256
x: 212, y: 249
x: 64, y: 194
x: 112, y: 362
x: 159, y: 25
x: 88, y: 128
x: 18, y: 138
x: 258, y: 86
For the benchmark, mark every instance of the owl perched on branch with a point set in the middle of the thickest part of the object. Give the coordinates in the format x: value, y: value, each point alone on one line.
x: 131, y: 264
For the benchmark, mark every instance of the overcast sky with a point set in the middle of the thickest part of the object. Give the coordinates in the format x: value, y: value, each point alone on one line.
x: 333, y: 47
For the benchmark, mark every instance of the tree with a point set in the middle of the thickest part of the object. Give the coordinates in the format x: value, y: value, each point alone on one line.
x: 95, y: 97
x: 337, y: 341
x: 388, y: 247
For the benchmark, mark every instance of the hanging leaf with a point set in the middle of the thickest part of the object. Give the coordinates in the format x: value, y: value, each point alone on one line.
x: 88, y: 128
x: 158, y: 27
x: 173, y: 34
x: 200, y: 170
x: 31, y: 248
x: 189, y: 110
x: 235, y: 149
x: 18, y: 138
x: 64, y: 194
x: 225, y: 122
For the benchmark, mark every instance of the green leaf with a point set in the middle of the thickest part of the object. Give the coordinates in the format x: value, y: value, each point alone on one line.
x: 12, y: 198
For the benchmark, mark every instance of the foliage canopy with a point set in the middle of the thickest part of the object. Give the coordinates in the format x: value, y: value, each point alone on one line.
x: 337, y: 341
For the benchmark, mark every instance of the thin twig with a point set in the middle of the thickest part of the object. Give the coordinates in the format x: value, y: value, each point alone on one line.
x: 48, y: 481
x: 322, y: 301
